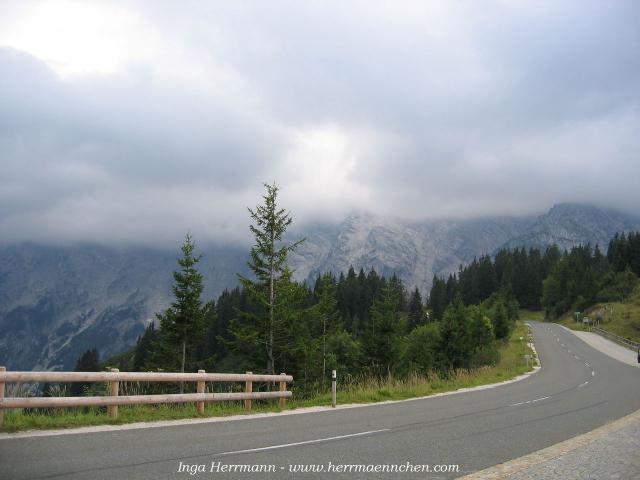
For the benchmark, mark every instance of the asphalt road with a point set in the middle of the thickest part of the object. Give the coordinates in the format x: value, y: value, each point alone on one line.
x: 577, y: 390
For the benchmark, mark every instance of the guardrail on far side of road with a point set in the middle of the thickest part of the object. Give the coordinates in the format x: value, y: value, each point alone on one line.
x: 625, y: 342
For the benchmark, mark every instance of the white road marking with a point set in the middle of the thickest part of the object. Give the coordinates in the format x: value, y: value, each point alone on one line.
x: 583, y: 384
x: 586, y: 364
x: 562, y: 345
x: 318, y: 440
x: 576, y: 357
x: 593, y: 374
x: 538, y: 399
x: 528, y: 401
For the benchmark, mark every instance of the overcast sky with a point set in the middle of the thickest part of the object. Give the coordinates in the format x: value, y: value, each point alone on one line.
x: 133, y: 121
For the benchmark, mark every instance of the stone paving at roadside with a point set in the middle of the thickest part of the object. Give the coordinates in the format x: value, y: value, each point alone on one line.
x: 608, y: 452
x: 615, y: 456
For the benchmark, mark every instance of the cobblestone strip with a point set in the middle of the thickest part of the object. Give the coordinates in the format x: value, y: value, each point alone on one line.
x: 555, y: 461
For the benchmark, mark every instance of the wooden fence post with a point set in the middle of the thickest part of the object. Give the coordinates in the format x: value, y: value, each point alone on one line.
x: 248, y: 388
x: 2, y: 369
x: 283, y: 387
x: 200, y: 389
x: 114, y: 387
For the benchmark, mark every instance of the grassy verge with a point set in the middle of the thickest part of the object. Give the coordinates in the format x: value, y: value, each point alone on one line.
x: 535, y: 315
x: 363, y: 390
x: 619, y: 318
x: 511, y: 365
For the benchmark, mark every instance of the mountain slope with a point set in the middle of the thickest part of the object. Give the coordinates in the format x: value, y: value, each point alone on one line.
x: 413, y: 251
x: 55, y: 302
x: 567, y: 225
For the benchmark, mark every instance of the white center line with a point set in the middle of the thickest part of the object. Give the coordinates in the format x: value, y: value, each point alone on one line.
x: 529, y: 401
x: 285, y: 445
x: 538, y: 399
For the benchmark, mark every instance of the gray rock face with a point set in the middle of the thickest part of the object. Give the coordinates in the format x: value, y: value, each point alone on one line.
x: 568, y: 225
x: 56, y: 302
x: 417, y: 251
x: 413, y: 251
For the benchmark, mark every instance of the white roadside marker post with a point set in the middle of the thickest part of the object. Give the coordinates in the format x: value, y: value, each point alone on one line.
x: 333, y: 388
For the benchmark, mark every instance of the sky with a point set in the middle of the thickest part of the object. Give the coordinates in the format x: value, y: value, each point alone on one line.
x: 136, y: 121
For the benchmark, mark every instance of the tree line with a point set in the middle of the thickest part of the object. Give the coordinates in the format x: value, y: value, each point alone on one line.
x: 518, y: 274
x: 362, y: 323
x: 557, y: 282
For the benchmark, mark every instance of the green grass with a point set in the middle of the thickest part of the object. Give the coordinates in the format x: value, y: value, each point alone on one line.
x: 619, y: 318
x: 358, y: 390
x: 71, y: 418
x: 535, y: 315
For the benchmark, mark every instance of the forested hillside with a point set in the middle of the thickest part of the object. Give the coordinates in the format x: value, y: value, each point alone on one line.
x: 358, y: 323
x: 59, y: 301
x: 364, y: 323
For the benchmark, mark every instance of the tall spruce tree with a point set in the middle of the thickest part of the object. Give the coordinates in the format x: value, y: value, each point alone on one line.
x: 325, y: 310
x: 268, y: 262
x: 438, y: 299
x: 416, y: 310
x: 383, y: 337
x: 182, y: 325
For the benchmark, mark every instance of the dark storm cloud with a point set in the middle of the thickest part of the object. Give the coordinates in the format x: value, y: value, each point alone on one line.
x: 418, y: 109
x: 83, y: 147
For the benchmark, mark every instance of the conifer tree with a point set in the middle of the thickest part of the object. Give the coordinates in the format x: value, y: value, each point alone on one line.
x: 455, y: 335
x: 500, y: 320
x: 438, y: 298
x: 144, y: 347
x: 182, y: 325
x: 268, y: 291
x: 326, y: 311
x: 89, y: 361
x: 384, y: 332
x: 416, y: 310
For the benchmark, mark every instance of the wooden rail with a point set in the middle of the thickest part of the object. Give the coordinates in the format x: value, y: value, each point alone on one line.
x: 114, y: 377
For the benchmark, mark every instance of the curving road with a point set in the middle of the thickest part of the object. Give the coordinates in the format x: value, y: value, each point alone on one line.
x: 577, y: 390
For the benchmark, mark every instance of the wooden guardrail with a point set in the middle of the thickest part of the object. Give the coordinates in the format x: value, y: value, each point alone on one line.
x: 114, y: 377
